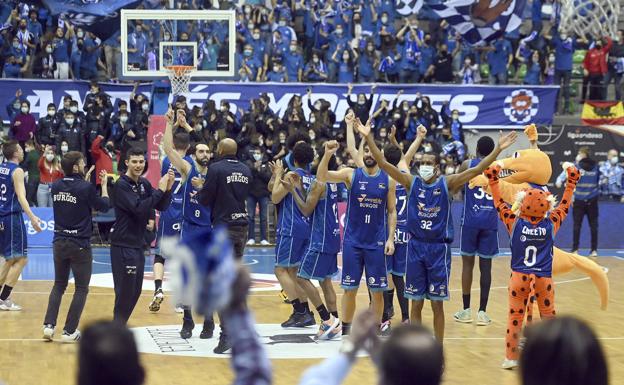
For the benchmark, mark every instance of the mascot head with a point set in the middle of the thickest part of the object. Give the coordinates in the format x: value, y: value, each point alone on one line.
x: 533, y: 204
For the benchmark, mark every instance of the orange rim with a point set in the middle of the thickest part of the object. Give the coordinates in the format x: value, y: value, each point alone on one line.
x: 178, y: 69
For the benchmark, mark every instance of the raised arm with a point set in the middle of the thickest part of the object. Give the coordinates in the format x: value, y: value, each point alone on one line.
x: 278, y: 190
x: 392, y: 217
x: 504, y: 212
x: 421, y: 133
x: 322, y: 172
x: 456, y: 181
x: 558, y: 215
x: 292, y: 182
x: 351, y: 149
x: 175, y: 158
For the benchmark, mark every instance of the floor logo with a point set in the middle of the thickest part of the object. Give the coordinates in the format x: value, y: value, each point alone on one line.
x: 279, y: 343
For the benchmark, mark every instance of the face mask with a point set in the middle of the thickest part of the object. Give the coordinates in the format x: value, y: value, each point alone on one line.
x: 64, y: 148
x: 312, y: 120
x: 282, y: 141
x: 282, y: 23
x: 317, y: 106
x: 16, y: 45
x: 256, y: 36
x: 16, y: 106
x: 110, y: 148
x: 51, y: 112
x: 426, y: 171
x: 250, y: 27
x: 257, y: 157
x: 276, y: 69
x: 551, y: 58
x: 384, y: 20
x: 449, y: 170
x: 123, y: 119
x: 382, y: 134
x: 370, y: 49
x: 247, y: 52
x: 293, y: 48
x: 145, y: 107
x: 406, y: 108
x: 397, y: 116
x: 361, y: 102
x: 455, y: 117
x: 24, y: 110
x: 312, y: 137
x: 345, y: 58
x: 167, y: 37
x: 427, y: 148
x: 73, y: 109
x: 339, y: 32
x: 614, y: 160
x: 80, y: 34
x: 49, y: 157
x: 315, y: 60
x: 223, y: 109
x: 69, y: 121
x: 564, y: 36
x: 49, y: 50
x: 578, y: 158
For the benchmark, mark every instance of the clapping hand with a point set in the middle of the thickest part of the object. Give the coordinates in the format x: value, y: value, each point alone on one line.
x: 507, y: 140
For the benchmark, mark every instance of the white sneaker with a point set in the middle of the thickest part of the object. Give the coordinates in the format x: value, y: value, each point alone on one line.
x: 179, y: 309
x: 251, y: 242
x: 48, y: 332
x: 8, y: 305
x: 483, y: 319
x: 593, y: 254
x: 69, y: 338
x: 154, y: 306
x: 463, y: 316
x: 509, y: 364
x: 264, y: 242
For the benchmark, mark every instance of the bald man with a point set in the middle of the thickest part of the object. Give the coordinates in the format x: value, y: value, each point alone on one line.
x: 225, y: 192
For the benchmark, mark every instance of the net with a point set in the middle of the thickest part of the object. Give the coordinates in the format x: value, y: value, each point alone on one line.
x: 593, y: 17
x: 180, y: 77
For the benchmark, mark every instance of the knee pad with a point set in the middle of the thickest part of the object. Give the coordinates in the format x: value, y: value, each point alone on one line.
x: 159, y: 259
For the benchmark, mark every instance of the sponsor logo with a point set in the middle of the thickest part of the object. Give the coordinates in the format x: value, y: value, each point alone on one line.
x: 431, y: 288
x: 523, y: 238
x: 437, y: 191
x: 540, y: 231
x: 371, y: 280
x: 421, y: 194
x: 382, y: 186
x: 521, y: 106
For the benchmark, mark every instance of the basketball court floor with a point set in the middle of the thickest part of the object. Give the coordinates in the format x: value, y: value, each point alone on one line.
x: 473, y: 354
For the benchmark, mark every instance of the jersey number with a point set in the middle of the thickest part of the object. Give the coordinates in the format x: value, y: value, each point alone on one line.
x: 367, y: 218
x: 403, y: 204
x: 530, y: 256
x: 197, y: 214
x: 426, y: 225
x: 482, y: 194
x: 3, y: 190
x: 177, y: 189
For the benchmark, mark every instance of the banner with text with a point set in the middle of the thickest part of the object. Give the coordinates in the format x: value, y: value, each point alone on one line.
x: 45, y: 237
x: 479, y: 106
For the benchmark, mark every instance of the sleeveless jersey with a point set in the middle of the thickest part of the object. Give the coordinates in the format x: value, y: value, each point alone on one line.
x: 8, y: 199
x: 325, y: 236
x: 177, y: 190
x: 429, y: 211
x: 532, y: 247
x: 401, y: 206
x: 366, y: 225
x: 291, y: 221
x: 479, y: 211
x: 192, y: 211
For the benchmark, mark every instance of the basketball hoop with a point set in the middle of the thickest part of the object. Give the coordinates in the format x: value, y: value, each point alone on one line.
x: 596, y: 17
x: 180, y: 77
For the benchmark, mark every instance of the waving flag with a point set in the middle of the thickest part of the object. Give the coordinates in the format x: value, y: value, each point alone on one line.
x: 409, y: 7
x: 480, y: 21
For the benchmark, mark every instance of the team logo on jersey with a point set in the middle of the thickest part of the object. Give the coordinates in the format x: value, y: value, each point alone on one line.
x: 363, y: 185
x: 333, y: 187
x: 371, y: 280
x: 382, y: 186
x: 431, y: 288
x: 361, y: 198
x: 437, y: 191
x: 522, y: 238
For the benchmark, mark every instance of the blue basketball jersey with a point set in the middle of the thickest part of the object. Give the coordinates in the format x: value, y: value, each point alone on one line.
x: 192, y: 211
x: 479, y: 211
x: 532, y: 247
x: 366, y: 225
x: 291, y: 221
x: 429, y: 211
x: 177, y: 190
x: 401, y: 205
x: 8, y: 199
x: 325, y: 236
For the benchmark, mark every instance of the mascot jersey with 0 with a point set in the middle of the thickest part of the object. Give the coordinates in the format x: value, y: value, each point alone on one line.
x: 531, y: 168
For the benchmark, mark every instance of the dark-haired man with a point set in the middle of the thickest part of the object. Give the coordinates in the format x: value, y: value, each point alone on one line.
x: 134, y: 198
x: 73, y: 200
x: 479, y: 236
x: 13, y: 236
x: 430, y: 225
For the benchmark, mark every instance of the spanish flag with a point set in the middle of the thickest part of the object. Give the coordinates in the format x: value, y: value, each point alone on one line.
x: 598, y: 113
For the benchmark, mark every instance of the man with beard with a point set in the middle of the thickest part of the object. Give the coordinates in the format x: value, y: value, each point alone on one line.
x: 369, y: 230
x: 195, y: 216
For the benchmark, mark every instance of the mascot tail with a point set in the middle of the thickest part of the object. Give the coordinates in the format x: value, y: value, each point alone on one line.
x: 564, y: 262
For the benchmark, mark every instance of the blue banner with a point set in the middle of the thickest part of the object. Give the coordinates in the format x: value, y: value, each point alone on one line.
x: 480, y: 106
x: 44, y: 238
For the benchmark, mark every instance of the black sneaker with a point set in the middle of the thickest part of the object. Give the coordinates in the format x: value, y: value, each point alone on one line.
x: 290, y: 322
x: 187, y: 329
x: 304, y: 319
x: 208, y: 330
x: 224, y: 345
x: 346, y: 329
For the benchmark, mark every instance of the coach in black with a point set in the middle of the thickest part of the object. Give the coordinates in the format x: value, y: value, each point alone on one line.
x: 134, y: 198
x: 225, y: 191
x: 73, y: 199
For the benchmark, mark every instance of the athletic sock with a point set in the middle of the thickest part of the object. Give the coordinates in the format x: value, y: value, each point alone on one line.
x: 297, y: 306
x: 399, y: 284
x: 6, y: 292
x: 466, y: 299
x: 323, y: 313
x: 306, y: 307
x: 346, y: 328
x: 335, y: 313
x: 485, y: 265
x: 387, y: 298
x: 188, y: 316
x: 158, y: 284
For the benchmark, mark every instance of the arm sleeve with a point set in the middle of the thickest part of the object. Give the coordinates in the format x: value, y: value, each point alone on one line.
x: 95, y: 147
x: 332, y: 371
x: 100, y: 204
x: 207, y: 194
x: 128, y: 201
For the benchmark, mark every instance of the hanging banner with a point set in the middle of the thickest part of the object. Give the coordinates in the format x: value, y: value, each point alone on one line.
x: 45, y: 237
x: 480, y: 106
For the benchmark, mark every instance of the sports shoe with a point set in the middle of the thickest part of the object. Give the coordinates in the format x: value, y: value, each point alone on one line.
x: 208, y: 330
x: 264, y: 242
x: 509, y: 364
x: 224, y: 345
x: 483, y: 319
x: 384, y: 329
x: 463, y: 316
x: 251, y: 242
x: 593, y: 254
x: 304, y: 319
x: 69, y: 338
x: 187, y: 329
x: 8, y: 305
x: 179, y: 308
x: 290, y: 322
x: 574, y: 251
x: 154, y: 306
x: 405, y: 322
x: 329, y: 329
x: 48, y: 332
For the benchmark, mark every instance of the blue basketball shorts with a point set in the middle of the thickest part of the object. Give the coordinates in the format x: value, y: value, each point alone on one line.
x: 397, y: 261
x: 483, y: 243
x: 428, y: 271
x: 188, y: 229
x: 290, y: 250
x: 356, y: 259
x: 167, y: 227
x: 318, y: 265
x: 13, y: 237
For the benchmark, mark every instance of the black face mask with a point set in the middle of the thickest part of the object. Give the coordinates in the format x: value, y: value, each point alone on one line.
x: 110, y: 148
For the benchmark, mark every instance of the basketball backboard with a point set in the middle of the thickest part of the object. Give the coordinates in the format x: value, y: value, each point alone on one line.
x: 154, y: 39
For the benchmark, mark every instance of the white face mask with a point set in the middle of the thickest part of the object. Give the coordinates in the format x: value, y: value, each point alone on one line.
x: 49, y: 50
x: 384, y: 20
x: 145, y: 107
x: 257, y: 157
x: 25, y: 110
x: 49, y: 157
x: 427, y: 148
x: 312, y: 120
x: 282, y: 23
x: 426, y: 171
x: 69, y: 121
x: 312, y: 136
x: 256, y: 36
x: 51, y: 112
x: 123, y: 119
x: 449, y: 170
x: 614, y: 160
x: 16, y: 105
x: 73, y: 109
x: 80, y: 34
x: 64, y: 148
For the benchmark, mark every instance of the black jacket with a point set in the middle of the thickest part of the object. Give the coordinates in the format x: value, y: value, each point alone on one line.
x: 46, y: 130
x: 225, y: 191
x: 260, y: 179
x: 73, y: 199
x: 74, y: 136
x: 133, y: 203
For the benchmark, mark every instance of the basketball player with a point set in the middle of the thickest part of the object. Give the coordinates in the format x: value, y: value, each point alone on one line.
x: 320, y: 259
x: 430, y: 225
x: 194, y: 215
x: 293, y: 235
x: 12, y: 229
x: 170, y: 221
x: 479, y: 236
x: 369, y: 230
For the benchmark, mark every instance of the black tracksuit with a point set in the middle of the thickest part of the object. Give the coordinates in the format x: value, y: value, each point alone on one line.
x: 73, y: 199
x: 133, y: 203
x: 46, y: 130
